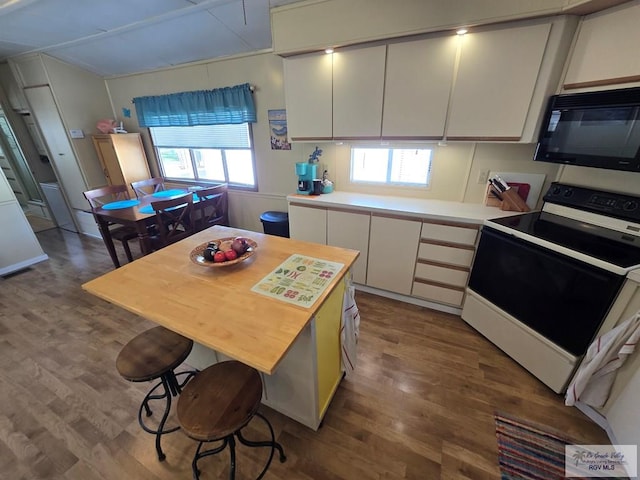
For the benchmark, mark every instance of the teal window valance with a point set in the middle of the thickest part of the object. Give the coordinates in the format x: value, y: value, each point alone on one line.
x: 229, y: 105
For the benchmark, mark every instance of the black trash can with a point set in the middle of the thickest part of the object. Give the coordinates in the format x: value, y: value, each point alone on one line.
x: 275, y: 223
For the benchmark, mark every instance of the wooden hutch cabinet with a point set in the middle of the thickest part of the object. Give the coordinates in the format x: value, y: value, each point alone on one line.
x: 122, y: 158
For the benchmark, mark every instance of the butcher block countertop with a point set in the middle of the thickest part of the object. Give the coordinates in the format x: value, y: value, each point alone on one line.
x: 422, y: 208
x: 215, y: 306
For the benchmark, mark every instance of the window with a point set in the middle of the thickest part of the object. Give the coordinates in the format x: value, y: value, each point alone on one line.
x: 212, y: 153
x: 391, y: 166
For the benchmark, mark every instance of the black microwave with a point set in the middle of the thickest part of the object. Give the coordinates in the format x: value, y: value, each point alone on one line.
x: 594, y: 129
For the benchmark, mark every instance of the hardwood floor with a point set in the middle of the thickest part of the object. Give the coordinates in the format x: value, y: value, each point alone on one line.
x: 419, y: 406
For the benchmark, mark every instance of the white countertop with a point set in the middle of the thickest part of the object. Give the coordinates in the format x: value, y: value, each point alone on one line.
x: 434, y: 209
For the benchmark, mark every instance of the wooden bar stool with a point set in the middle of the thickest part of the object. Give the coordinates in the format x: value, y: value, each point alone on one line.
x: 217, y: 404
x: 155, y: 354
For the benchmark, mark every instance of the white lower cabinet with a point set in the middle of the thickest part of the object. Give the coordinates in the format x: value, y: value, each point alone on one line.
x: 427, y: 259
x: 440, y: 294
x: 444, y: 262
x: 308, y: 223
x: 349, y: 229
x: 393, y: 244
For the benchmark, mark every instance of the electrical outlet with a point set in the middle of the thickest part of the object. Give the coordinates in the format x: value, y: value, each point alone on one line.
x: 483, y: 176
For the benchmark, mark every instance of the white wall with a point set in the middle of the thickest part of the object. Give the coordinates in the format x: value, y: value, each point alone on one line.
x: 82, y: 100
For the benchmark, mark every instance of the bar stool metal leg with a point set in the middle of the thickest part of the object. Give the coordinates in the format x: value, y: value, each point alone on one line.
x: 171, y: 388
x: 273, y: 444
x: 206, y: 453
x: 232, y: 453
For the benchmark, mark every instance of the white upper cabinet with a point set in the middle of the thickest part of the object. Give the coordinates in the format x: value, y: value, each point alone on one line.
x: 358, y: 87
x: 490, y: 85
x: 495, y: 83
x: 606, y: 49
x: 417, y: 87
x: 308, y: 87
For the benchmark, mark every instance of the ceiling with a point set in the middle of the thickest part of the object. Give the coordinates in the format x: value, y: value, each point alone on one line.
x: 118, y: 37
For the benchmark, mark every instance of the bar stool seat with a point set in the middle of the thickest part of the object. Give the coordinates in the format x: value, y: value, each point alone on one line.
x: 216, y: 404
x: 154, y: 354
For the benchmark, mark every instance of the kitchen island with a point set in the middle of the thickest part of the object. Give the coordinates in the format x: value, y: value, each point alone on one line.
x: 296, y: 348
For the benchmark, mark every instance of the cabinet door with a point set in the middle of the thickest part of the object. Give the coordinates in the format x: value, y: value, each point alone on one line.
x: 292, y: 389
x: 351, y: 230
x: 393, y: 246
x: 606, y: 48
x: 109, y: 160
x: 122, y: 157
x: 62, y: 157
x: 495, y: 82
x: 307, y: 88
x: 417, y: 86
x: 358, y: 87
x: 450, y: 233
x: 327, y: 323
x: 308, y: 223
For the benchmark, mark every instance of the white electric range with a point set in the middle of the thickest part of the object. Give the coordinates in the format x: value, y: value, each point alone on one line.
x: 543, y: 282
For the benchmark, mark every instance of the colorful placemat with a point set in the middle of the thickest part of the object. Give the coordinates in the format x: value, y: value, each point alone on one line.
x: 168, y: 193
x: 120, y: 204
x: 299, y: 280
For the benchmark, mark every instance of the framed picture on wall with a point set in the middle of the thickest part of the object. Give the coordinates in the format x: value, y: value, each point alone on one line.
x: 278, y: 129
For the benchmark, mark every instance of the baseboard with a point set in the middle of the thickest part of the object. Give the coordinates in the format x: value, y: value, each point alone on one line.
x: 22, y: 265
x: 598, y: 419
x: 407, y: 299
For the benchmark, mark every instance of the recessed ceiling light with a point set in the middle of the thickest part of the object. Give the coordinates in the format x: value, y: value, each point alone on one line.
x: 328, y: 50
x: 461, y: 31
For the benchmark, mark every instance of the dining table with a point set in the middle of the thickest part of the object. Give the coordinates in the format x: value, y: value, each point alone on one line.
x: 135, y: 213
x: 278, y: 309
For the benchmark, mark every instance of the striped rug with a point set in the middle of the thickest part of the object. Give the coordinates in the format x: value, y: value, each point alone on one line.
x: 528, y: 451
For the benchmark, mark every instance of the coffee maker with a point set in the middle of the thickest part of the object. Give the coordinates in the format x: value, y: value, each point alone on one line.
x: 306, y: 174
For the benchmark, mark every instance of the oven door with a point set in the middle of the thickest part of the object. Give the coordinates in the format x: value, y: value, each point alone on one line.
x: 562, y: 299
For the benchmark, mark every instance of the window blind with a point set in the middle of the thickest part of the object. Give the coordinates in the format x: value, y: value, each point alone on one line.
x: 204, y: 136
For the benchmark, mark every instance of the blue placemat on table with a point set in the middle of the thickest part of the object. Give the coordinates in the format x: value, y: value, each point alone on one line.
x: 120, y: 204
x: 149, y: 208
x: 168, y: 193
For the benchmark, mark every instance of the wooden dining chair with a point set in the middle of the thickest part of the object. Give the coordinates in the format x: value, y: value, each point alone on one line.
x: 212, y: 208
x: 142, y: 188
x: 174, y: 220
x: 112, y: 193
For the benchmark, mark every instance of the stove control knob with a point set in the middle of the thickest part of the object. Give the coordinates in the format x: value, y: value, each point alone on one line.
x: 556, y: 191
x: 630, y: 205
x: 568, y: 192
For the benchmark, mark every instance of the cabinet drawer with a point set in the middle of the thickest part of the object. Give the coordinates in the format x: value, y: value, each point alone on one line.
x: 438, y: 294
x: 449, y: 233
x: 442, y: 274
x: 445, y: 254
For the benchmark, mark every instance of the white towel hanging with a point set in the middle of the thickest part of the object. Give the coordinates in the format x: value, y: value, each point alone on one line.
x: 592, y: 383
x: 349, y: 329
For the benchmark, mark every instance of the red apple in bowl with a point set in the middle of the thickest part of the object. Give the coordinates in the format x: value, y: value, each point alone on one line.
x: 239, y: 245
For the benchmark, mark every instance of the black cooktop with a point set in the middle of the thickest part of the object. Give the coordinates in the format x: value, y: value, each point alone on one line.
x: 598, y: 242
